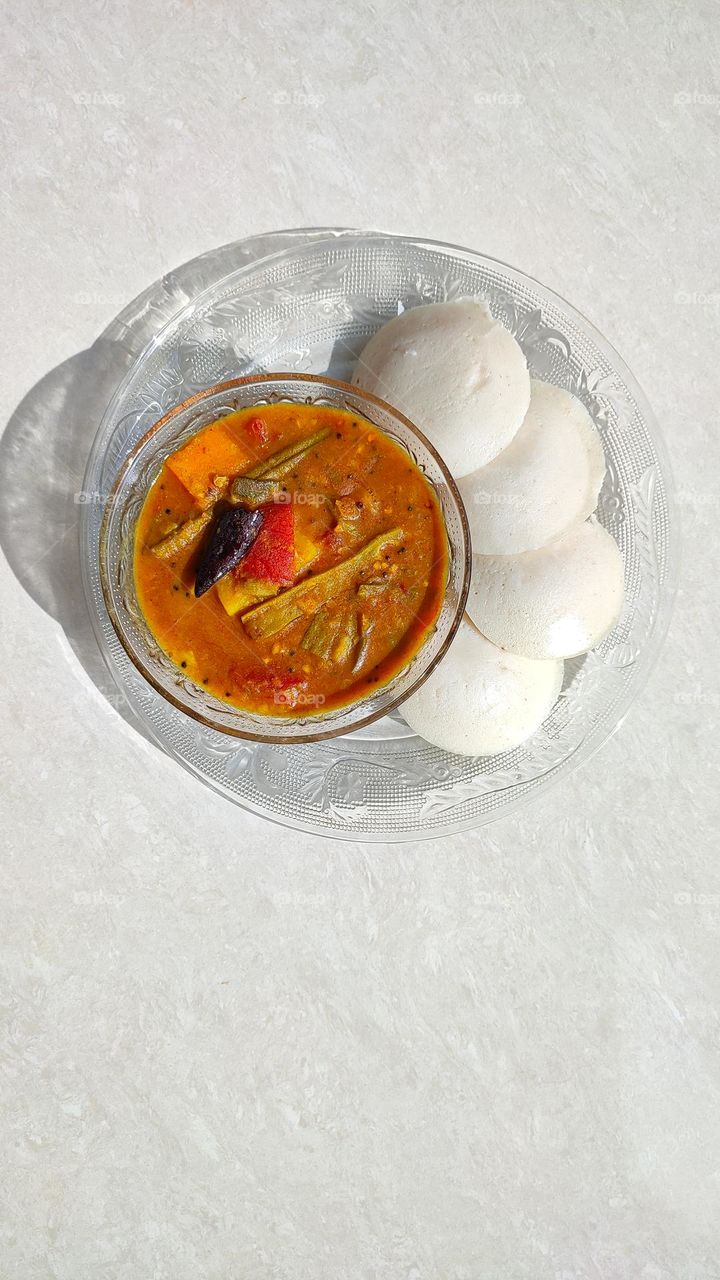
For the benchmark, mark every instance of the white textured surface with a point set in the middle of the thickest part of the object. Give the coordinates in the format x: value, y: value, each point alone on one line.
x: 229, y: 1051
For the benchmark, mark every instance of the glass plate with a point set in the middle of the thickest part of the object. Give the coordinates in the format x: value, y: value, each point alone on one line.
x: 311, y: 308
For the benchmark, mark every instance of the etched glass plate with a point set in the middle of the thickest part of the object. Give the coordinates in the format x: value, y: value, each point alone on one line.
x: 311, y: 308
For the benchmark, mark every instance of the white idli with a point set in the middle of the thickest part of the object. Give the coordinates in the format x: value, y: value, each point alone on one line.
x: 547, y: 479
x: 480, y: 701
x: 552, y: 603
x: 457, y: 373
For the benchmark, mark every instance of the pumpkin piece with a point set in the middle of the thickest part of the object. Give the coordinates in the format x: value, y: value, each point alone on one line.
x: 240, y: 593
x: 214, y: 451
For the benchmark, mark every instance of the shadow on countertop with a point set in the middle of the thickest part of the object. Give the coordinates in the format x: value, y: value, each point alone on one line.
x: 43, y: 452
x: 45, y: 446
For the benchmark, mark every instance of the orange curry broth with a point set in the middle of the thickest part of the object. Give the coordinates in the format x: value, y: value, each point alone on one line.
x: 378, y: 487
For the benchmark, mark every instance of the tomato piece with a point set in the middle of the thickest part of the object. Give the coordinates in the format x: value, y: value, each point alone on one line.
x: 272, y: 555
x: 267, y: 680
x: 259, y: 430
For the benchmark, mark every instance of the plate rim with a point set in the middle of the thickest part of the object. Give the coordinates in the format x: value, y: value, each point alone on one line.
x: 317, y: 238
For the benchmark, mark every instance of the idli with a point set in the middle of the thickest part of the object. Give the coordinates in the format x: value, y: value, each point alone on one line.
x: 480, y: 701
x: 552, y: 603
x: 457, y: 373
x: 547, y: 479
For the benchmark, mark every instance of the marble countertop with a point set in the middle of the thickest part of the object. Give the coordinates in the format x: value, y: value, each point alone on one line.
x: 229, y: 1050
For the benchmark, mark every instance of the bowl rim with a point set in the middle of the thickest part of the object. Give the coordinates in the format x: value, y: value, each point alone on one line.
x: 280, y: 739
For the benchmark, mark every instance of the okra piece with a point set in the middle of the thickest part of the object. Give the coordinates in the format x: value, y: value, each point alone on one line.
x: 320, y: 635
x: 347, y: 636
x: 279, y: 464
x: 367, y: 626
x: 332, y: 637
x: 181, y: 537
x: 254, y: 492
x: 310, y: 594
x: 374, y: 587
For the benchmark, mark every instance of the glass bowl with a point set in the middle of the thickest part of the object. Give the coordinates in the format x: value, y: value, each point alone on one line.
x: 310, y: 307
x: 117, y: 539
